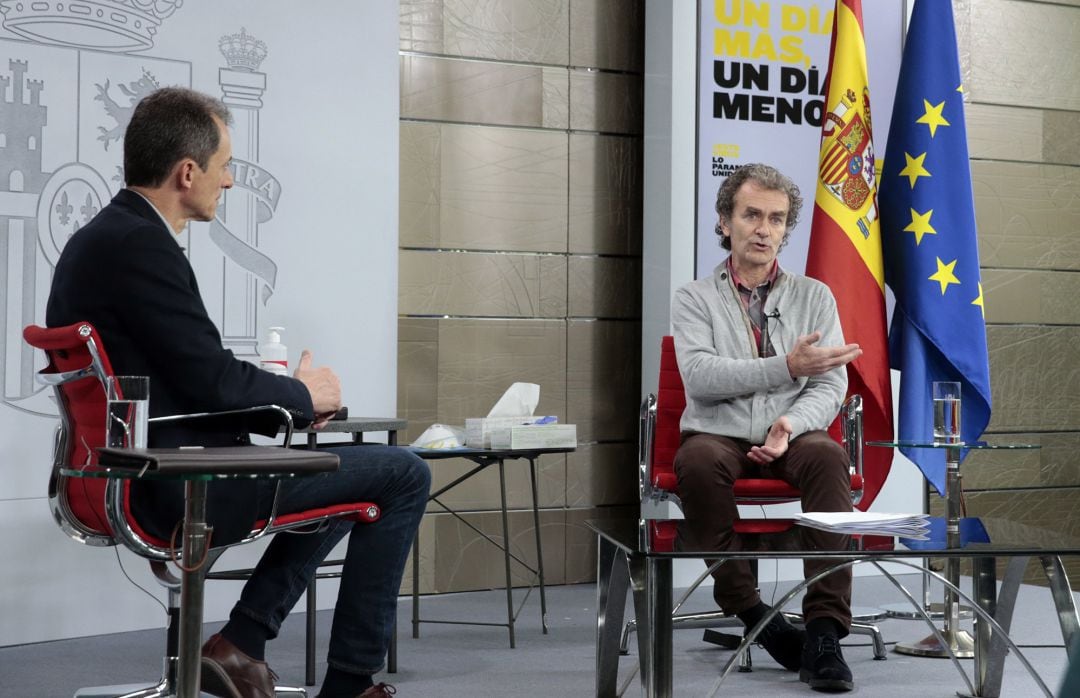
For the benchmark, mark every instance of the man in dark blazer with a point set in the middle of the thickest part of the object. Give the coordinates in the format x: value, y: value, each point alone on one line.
x: 125, y: 273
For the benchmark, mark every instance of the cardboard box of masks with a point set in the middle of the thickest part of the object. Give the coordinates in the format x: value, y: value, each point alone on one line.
x: 478, y: 430
x: 528, y: 436
x: 519, y: 432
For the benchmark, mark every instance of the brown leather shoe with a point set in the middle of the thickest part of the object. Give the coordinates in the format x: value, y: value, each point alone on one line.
x: 379, y: 690
x: 229, y: 673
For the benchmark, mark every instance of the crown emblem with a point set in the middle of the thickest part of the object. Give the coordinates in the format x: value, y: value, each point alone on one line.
x: 111, y: 25
x: 242, y: 51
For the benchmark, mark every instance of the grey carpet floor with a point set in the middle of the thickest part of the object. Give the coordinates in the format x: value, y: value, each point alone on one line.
x: 449, y: 660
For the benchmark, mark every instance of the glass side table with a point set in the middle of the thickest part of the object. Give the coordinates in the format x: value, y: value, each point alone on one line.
x: 195, y: 538
x: 960, y: 642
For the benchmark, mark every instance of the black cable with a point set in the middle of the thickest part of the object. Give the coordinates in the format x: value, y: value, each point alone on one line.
x: 120, y: 561
x: 105, y: 527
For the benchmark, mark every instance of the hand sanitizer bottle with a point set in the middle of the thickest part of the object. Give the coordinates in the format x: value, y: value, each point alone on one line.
x: 273, y: 355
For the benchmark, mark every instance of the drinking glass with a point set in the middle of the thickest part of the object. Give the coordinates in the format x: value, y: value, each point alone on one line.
x: 946, y: 412
x: 128, y: 411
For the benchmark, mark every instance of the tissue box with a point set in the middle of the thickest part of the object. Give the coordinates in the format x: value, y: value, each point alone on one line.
x: 478, y: 431
x: 524, y: 436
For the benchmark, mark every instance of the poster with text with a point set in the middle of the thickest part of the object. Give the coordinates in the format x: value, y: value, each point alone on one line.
x: 762, y: 68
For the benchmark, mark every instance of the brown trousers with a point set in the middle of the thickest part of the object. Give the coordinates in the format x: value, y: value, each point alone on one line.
x: 707, y: 465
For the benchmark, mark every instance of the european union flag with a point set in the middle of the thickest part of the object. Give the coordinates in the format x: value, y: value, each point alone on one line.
x: 929, y: 243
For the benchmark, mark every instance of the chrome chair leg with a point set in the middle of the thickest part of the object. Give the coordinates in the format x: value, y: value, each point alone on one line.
x: 290, y: 691
x: 709, y: 620
x: 624, y: 638
x: 126, y: 691
x: 874, y: 633
x: 165, y: 688
x: 715, y: 619
x: 705, y: 619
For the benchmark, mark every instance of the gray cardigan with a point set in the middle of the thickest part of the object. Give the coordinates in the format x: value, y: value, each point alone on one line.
x: 730, y: 390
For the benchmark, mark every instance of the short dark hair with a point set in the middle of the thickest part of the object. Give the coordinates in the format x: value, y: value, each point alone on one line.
x: 766, y: 177
x: 169, y: 125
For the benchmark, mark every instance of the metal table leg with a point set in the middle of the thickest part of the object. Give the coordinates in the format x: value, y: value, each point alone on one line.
x: 416, y: 585
x: 612, y: 582
x: 195, y: 544
x: 309, y: 637
x: 984, y: 581
x: 539, y: 546
x: 391, y: 651
x: 651, y: 581
x: 990, y: 646
x: 1064, y: 601
x: 506, y: 553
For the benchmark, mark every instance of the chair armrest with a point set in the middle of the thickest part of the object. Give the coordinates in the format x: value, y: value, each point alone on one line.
x: 851, y: 423
x: 55, y: 379
x: 660, y: 505
x: 274, y: 416
x: 221, y: 460
x: 268, y: 415
x: 656, y: 504
x: 646, y: 431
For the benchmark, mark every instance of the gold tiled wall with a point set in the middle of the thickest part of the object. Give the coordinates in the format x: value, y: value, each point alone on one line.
x: 520, y: 260
x: 1023, y: 118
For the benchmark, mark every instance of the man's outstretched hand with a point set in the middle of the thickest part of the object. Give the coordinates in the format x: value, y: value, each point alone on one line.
x: 776, y: 443
x: 807, y: 359
x: 324, y: 386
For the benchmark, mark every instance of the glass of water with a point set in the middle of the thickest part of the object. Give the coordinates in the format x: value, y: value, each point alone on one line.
x: 946, y: 412
x: 127, y: 412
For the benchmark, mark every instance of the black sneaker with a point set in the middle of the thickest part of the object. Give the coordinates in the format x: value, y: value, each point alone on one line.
x: 824, y: 668
x: 784, y: 642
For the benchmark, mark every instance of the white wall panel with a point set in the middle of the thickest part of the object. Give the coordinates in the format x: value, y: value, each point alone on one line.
x: 315, y: 143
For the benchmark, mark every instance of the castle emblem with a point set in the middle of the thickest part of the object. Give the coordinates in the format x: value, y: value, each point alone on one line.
x: 847, y: 157
x: 68, y: 88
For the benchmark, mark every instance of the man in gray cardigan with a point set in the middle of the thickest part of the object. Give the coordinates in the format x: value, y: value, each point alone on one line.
x: 762, y: 358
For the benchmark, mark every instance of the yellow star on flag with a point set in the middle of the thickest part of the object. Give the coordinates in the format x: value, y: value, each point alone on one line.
x: 979, y: 302
x: 944, y: 274
x: 914, y: 168
x: 920, y: 225
x: 932, y: 117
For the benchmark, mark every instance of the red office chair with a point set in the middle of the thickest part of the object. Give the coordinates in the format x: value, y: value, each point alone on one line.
x: 661, y: 509
x: 97, y: 512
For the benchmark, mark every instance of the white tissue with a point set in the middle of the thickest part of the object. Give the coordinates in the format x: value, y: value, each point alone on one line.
x: 441, y: 436
x: 519, y: 400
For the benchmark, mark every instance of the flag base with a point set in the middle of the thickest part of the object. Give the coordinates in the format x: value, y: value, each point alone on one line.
x: 959, y: 642
x: 935, y: 611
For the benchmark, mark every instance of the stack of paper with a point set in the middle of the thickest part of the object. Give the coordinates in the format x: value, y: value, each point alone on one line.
x: 872, y: 523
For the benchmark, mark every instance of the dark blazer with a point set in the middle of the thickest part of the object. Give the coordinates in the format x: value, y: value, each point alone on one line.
x: 125, y: 273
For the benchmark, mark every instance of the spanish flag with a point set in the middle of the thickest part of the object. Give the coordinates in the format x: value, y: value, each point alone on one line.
x: 845, y: 240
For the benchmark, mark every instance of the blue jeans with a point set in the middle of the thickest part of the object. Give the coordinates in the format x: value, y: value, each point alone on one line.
x: 395, y: 479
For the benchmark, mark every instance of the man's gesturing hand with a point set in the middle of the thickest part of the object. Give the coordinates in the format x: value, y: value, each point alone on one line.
x: 776, y: 443
x: 805, y: 359
x: 324, y: 386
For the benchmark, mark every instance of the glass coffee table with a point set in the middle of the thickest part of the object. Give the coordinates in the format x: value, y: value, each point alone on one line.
x: 627, y: 562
